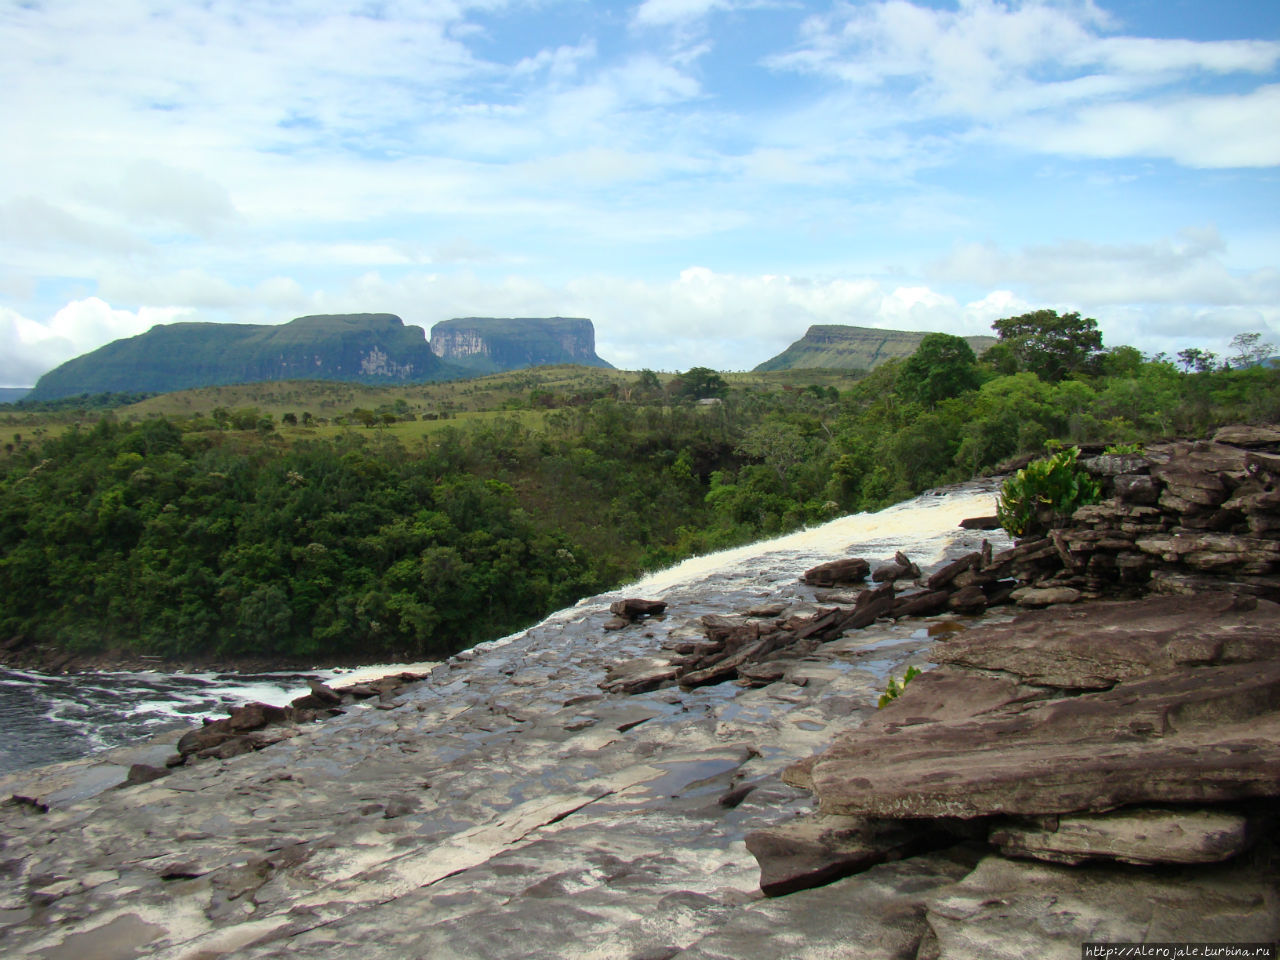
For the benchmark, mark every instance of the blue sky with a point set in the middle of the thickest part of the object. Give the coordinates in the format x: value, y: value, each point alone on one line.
x: 704, y: 179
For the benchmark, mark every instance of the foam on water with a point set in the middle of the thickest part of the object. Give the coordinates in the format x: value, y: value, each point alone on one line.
x: 917, y: 526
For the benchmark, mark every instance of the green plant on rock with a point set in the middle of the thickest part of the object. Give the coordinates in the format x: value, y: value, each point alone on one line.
x: 894, y: 689
x: 1045, y: 493
x: 1123, y: 448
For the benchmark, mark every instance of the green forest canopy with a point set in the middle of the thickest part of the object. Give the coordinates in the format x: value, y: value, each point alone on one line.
x: 238, y: 532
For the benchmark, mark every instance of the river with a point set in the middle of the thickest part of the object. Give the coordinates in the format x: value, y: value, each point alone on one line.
x: 46, y: 719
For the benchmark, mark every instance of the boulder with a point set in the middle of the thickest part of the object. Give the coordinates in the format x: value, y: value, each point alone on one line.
x: 639, y: 676
x: 1137, y: 488
x: 847, y: 570
x: 948, y: 572
x: 901, y: 569
x: 980, y: 523
x: 325, y: 694
x: 634, y: 608
x: 1044, y: 596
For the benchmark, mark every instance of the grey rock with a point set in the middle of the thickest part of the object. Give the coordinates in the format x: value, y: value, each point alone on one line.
x: 1011, y: 910
x: 1140, y: 835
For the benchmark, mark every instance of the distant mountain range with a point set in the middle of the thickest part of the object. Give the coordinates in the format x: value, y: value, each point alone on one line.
x: 381, y: 348
x: 839, y: 347
x: 363, y: 347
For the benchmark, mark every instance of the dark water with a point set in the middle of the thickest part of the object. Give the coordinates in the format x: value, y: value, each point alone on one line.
x: 46, y: 719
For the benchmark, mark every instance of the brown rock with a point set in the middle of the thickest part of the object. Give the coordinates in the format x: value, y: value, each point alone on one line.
x: 1096, y: 645
x: 814, y: 851
x: 944, y: 575
x: 255, y: 716
x: 1205, y: 735
x: 1248, y: 435
x: 635, y: 608
x: 920, y: 604
x: 144, y: 773
x: 1044, y: 596
x: 848, y: 570
x: 1137, y: 488
x: 980, y: 523
x: 323, y: 693
x: 970, y: 599
x: 639, y: 676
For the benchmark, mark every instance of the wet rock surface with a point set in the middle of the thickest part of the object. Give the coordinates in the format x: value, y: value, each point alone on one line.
x: 595, y: 789
x: 505, y: 806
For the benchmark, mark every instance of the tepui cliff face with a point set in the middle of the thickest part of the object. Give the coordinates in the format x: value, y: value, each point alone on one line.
x: 365, y: 347
x: 836, y: 346
x: 369, y: 347
x: 492, y: 344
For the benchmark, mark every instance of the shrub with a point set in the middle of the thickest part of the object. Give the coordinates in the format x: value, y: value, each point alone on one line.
x: 1045, y: 493
x: 894, y: 689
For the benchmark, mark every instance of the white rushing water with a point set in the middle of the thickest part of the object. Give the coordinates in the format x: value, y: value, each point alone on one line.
x: 51, y: 718
x: 918, y: 526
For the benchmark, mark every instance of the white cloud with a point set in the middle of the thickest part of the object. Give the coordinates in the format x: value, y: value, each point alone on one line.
x: 663, y: 13
x: 80, y: 326
x: 1043, y: 75
x: 166, y: 195
x: 1187, y: 269
x: 1217, y: 131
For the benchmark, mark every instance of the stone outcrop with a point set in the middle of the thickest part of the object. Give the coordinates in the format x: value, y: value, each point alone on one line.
x: 1101, y: 737
x: 482, y: 345
x: 253, y: 726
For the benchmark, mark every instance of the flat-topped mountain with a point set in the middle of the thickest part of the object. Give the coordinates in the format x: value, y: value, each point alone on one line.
x: 839, y: 347
x: 492, y: 344
x: 363, y: 347
x: 367, y: 347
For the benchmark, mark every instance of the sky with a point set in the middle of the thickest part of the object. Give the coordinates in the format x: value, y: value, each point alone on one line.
x: 703, y: 179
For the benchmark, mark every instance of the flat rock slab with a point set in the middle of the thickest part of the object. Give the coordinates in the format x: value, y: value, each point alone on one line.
x: 1208, y: 735
x: 1012, y: 910
x: 1092, y: 646
x: 879, y: 915
x: 1138, y: 835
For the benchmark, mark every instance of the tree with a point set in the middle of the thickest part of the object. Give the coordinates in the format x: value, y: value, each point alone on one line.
x: 1250, y: 350
x: 1049, y: 345
x: 1201, y: 360
x: 943, y: 366
x: 700, y: 383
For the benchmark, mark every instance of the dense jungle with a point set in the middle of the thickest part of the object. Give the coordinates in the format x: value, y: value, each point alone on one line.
x: 302, y: 521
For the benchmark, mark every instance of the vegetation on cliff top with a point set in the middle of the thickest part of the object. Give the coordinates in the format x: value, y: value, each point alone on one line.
x: 306, y: 521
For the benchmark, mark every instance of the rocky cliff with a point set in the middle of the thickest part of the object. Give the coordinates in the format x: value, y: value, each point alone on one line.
x: 366, y: 347
x: 490, y: 345
x: 853, y: 348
